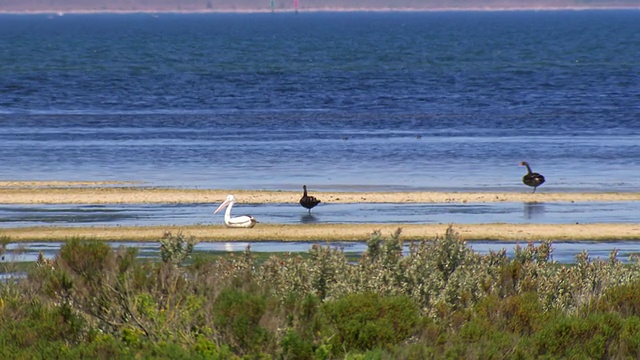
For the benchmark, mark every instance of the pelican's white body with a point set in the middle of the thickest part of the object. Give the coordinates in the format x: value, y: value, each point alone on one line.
x: 244, y: 221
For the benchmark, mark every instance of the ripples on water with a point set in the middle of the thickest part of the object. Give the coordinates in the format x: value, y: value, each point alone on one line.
x: 193, y: 214
x: 359, y: 101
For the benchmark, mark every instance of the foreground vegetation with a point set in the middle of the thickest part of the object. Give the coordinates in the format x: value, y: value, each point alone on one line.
x: 439, y: 300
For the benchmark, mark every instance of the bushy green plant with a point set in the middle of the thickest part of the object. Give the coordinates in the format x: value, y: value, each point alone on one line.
x: 367, y: 321
x: 520, y: 313
x: 237, y: 315
x: 208, y: 349
x: 629, y: 339
x: 438, y: 300
x: 623, y: 299
x: 87, y: 259
x: 174, y: 249
x: 593, y: 337
x: 295, y: 347
x: 301, y: 314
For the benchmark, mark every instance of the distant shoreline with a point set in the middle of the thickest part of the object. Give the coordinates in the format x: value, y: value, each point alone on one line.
x: 62, y: 12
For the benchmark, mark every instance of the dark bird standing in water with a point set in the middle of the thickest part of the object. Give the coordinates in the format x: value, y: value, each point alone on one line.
x: 308, y: 202
x: 532, y: 178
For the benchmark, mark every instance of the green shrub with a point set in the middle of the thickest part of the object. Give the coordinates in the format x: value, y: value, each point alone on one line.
x: 594, y: 337
x: 237, y: 315
x: 86, y: 258
x: 327, y: 267
x: 521, y: 314
x: 438, y: 300
x: 366, y: 321
x: 209, y: 350
x: 35, y: 328
x: 630, y: 338
x: 174, y: 249
x: 624, y: 299
x: 301, y: 314
x: 412, y: 351
x: 295, y: 347
x: 100, y: 347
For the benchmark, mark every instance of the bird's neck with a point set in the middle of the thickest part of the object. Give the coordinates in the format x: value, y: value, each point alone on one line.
x: 528, y: 168
x: 305, y: 192
x: 227, y: 214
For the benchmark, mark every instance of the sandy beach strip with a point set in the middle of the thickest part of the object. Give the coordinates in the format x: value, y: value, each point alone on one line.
x: 88, y: 193
x: 335, y: 232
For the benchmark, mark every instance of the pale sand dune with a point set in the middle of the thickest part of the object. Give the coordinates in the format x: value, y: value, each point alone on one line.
x: 336, y: 232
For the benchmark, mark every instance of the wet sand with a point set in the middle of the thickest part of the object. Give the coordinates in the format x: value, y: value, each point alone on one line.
x: 102, y: 193
x: 125, y: 193
x: 336, y: 232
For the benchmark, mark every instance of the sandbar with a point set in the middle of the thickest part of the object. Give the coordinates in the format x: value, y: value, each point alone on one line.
x: 122, y: 193
x: 88, y: 192
x: 334, y: 232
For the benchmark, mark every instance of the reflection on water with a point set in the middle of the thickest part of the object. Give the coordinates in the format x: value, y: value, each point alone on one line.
x: 533, y: 210
x: 308, y: 219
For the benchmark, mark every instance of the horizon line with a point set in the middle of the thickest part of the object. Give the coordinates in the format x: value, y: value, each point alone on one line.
x: 316, y: 10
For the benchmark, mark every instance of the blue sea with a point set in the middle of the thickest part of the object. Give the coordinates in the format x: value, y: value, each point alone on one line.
x: 356, y: 101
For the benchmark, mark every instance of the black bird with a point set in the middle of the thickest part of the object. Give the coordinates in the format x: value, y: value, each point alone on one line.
x: 308, y: 202
x: 532, y: 178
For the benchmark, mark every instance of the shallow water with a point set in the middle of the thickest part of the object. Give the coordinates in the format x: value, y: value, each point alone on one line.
x: 325, y: 213
x: 563, y: 252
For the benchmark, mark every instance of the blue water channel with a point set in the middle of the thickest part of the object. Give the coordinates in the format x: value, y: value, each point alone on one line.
x: 12, y: 216
x: 563, y: 252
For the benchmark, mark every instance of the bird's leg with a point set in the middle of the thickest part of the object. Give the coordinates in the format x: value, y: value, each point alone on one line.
x: 534, y: 189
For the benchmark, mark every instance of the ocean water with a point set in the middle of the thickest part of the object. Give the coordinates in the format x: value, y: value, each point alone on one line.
x: 338, y: 101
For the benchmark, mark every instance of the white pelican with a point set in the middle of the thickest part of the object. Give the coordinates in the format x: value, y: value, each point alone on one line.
x: 244, y: 221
